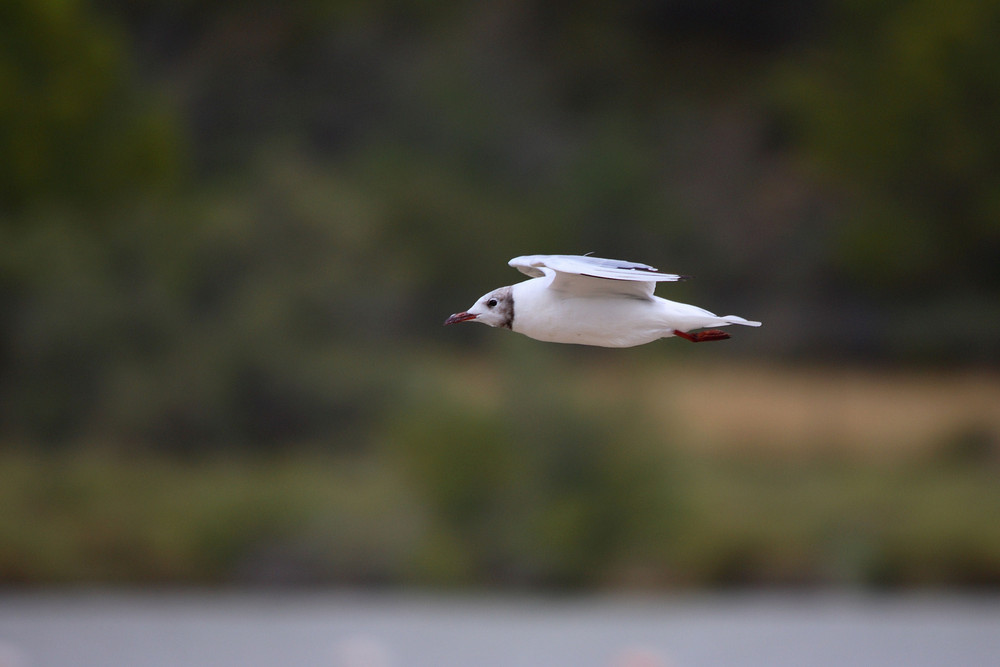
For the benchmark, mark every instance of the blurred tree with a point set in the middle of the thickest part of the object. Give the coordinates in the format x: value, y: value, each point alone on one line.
x: 79, y: 138
x: 74, y: 127
x: 899, y: 103
x: 537, y: 490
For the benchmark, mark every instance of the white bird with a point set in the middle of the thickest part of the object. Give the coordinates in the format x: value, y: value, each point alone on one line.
x: 593, y: 301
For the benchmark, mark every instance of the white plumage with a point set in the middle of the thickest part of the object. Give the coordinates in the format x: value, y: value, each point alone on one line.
x: 592, y: 301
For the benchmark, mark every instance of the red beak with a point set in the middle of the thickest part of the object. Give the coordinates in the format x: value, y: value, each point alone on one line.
x: 459, y: 317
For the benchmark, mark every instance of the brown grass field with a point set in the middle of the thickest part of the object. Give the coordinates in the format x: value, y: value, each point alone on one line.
x: 767, y: 408
x: 852, y: 410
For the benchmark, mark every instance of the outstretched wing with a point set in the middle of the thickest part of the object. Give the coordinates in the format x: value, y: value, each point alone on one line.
x: 587, y: 276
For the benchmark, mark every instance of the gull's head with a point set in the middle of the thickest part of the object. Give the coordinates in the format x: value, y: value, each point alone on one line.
x: 495, y: 309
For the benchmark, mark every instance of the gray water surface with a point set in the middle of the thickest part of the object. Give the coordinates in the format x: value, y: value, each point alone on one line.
x: 113, y: 629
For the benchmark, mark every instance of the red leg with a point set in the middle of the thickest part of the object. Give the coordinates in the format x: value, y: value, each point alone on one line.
x: 702, y: 336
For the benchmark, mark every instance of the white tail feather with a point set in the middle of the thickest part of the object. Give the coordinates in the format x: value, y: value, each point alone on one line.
x: 736, y: 319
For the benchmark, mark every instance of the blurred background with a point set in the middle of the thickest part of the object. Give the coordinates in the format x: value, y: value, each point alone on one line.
x: 230, y: 231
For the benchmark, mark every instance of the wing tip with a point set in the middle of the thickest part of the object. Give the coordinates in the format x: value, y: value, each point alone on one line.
x: 530, y: 265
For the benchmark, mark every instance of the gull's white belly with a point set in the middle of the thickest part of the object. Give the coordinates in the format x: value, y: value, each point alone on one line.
x: 602, y: 321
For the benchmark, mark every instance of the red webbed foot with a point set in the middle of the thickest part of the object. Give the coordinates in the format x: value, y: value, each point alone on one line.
x: 702, y: 336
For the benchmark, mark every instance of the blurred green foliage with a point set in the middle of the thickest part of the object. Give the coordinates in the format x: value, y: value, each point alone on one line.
x: 418, y: 517
x: 356, y: 172
x: 897, y: 102
x: 75, y: 128
x: 535, y: 490
x: 233, y: 229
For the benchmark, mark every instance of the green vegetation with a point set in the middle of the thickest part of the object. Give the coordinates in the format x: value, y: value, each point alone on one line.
x: 474, y: 477
x: 700, y: 522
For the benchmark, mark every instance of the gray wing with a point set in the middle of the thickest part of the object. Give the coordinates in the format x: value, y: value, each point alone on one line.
x: 585, y: 275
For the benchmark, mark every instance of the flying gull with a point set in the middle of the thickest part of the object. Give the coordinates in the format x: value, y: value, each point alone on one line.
x: 593, y: 301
